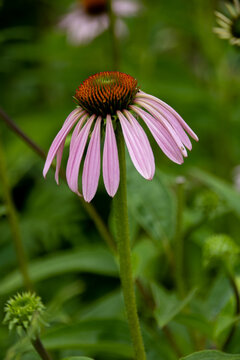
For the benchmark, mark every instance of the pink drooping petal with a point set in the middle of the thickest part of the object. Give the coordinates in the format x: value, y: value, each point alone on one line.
x: 76, y: 130
x: 75, y: 156
x: 111, y: 174
x: 126, y: 8
x: 161, y: 135
x: 138, y: 146
x: 173, y: 121
x: 61, y: 137
x: 91, y: 168
x: 169, y: 128
x: 81, y: 27
x: 59, y: 160
x: 141, y: 95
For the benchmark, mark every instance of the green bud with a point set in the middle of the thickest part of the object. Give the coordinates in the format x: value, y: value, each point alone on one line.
x: 220, y: 250
x: 207, y: 201
x: 23, y: 312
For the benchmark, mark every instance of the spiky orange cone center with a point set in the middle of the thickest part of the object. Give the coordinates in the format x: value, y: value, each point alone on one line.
x: 106, y: 92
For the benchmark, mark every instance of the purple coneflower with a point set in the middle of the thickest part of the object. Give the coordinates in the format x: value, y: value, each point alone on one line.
x: 89, y: 18
x: 104, y: 100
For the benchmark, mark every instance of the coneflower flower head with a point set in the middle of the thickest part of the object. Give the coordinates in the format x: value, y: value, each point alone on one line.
x: 229, y: 26
x: 89, y: 18
x: 24, y: 312
x: 106, y: 100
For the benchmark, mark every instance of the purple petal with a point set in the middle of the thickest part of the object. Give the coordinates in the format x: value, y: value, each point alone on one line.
x: 173, y: 121
x: 161, y: 135
x: 75, y: 156
x: 111, y: 174
x: 59, y: 160
x: 138, y: 145
x: 164, y: 122
x: 61, y: 137
x: 76, y: 130
x: 91, y: 169
x: 141, y: 94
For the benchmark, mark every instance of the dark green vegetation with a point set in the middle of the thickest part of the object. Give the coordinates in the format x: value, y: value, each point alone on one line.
x: 186, y: 277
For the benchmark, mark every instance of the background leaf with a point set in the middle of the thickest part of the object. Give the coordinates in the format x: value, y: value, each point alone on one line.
x: 211, y: 355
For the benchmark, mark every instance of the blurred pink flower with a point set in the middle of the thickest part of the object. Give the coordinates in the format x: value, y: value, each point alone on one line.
x: 89, y: 18
x: 104, y: 100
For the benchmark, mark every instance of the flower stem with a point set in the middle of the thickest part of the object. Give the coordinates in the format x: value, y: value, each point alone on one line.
x: 89, y: 208
x: 13, y: 221
x: 40, y: 349
x: 179, y: 246
x: 114, y: 39
x: 124, y: 251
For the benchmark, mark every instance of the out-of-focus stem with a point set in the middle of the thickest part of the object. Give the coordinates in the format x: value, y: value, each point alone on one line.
x: 237, y: 311
x: 6, y: 118
x: 179, y: 246
x: 114, y: 39
x: 13, y: 221
x: 89, y: 208
x: 40, y: 349
x: 124, y: 252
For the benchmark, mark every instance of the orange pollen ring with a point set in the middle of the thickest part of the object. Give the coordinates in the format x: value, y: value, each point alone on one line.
x: 106, y: 92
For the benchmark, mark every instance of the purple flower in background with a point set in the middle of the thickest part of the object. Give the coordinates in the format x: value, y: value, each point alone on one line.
x: 89, y: 18
x: 104, y: 100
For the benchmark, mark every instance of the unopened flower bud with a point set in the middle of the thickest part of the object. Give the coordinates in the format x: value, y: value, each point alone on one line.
x: 24, y: 311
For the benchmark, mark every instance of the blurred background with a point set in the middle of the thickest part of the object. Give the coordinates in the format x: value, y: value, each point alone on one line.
x: 170, y: 47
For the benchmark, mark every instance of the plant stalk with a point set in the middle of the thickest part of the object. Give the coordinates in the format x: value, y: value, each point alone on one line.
x: 114, y: 39
x: 13, y: 222
x: 124, y: 252
x: 40, y: 349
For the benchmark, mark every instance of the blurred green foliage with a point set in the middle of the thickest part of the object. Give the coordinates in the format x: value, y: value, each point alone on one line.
x: 174, y: 54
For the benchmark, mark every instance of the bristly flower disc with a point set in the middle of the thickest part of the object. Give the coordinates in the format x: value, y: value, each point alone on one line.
x: 106, y: 92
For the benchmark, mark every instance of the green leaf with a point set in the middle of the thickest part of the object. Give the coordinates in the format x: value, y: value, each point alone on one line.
x: 88, y: 259
x: 107, y: 306
x: 152, y: 204
x: 168, y: 305
x: 78, y: 358
x: 211, y: 355
x: 224, y: 322
x: 105, y: 336
x: 145, y: 256
x: 222, y: 188
x: 197, y: 322
x: 2, y: 210
x: 94, y: 337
